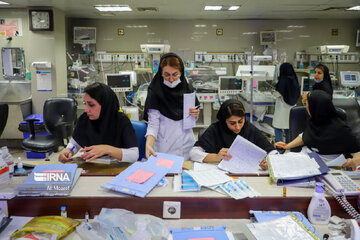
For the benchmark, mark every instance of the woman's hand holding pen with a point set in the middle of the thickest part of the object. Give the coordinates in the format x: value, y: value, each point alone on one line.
x: 66, y: 155
x: 263, y: 164
x: 194, y: 111
x: 281, y: 145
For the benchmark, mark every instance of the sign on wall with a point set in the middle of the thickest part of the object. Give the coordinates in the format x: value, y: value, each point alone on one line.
x: 10, y: 27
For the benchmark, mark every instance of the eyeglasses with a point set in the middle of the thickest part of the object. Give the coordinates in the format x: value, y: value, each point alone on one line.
x: 174, y: 75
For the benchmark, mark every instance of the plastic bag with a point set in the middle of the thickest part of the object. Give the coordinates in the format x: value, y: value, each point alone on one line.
x: 122, y: 224
x: 49, y: 224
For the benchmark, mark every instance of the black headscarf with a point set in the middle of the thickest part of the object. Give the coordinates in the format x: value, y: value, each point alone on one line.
x: 288, y: 85
x: 325, y: 130
x: 218, y: 135
x: 325, y: 85
x: 111, y: 128
x: 169, y: 101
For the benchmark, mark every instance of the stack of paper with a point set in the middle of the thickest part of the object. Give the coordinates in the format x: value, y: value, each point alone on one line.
x: 50, y: 180
x: 246, y: 157
x: 293, y: 166
x: 141, y: 177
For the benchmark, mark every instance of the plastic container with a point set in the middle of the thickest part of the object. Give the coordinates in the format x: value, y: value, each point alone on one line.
x: 6, y: 156
x: 319, y: 211
x: 63, y: 211
x: 20, y: 170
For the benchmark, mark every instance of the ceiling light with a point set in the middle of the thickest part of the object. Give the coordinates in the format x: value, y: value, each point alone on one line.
x: 233, y: 8
x: 212, y: 8
x: 113, y: 8
x: 4, y: 3
x: 355, y: 8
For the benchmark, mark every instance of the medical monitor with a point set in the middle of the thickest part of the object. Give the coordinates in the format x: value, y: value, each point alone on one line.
x: 267, y: 37
x: 307, y: 84
x: 85, y: 35
x: 230, y: 85
x: 350, y: 79
x: 260, y: 72
x: 119, y: 82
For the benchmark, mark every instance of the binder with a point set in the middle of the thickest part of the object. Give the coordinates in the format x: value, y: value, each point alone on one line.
x: 321, y: 168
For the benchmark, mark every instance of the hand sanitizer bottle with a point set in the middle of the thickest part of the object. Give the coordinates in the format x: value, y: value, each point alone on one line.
x: 319, y: 210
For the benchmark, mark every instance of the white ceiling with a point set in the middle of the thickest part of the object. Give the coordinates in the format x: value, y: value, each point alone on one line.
x: 193, y: 9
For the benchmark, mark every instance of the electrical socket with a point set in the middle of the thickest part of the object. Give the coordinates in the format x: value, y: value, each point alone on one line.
x: 171, y: 209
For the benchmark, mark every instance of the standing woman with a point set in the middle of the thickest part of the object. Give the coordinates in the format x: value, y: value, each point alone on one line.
x: 164, y: 110
x: 287, y: 94
x: 102, y: 129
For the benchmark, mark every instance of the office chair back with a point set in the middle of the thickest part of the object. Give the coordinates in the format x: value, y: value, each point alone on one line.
x: 298, y: 118
x: 58, y: 111
x: 140, y: 131
x: 4, y: 113
x: 352, y: 110
x: 59, y: 120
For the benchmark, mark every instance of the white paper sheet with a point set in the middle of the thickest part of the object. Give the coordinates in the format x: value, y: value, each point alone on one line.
x: 189, y: 102
x: 44, y: 80
x: 246, y: 157
x: 339, y: 161
x: 204, y: 166
x: 209, y: 178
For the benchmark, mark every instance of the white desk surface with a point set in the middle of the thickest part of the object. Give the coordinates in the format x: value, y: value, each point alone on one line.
x: 89, y: 186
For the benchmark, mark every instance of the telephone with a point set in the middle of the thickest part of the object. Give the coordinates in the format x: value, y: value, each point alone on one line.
x: 339, y: 182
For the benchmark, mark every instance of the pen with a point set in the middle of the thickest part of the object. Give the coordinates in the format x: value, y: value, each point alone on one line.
x: 197, y: 107
x: 72, y: 149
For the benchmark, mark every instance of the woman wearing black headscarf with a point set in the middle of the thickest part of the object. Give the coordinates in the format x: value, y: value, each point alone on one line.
x: 213, y: 145
x: 102, y: 129
x: 326, y: 132
x: 322, y: 81
x: 287, y: 94
x: 164, y: 110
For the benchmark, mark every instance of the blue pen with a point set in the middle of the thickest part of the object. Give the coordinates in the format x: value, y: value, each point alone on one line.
x: 197, y: 107
x: 70, y: 150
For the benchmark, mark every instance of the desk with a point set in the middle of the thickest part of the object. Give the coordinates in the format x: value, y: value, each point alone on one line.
x: 206, y: 204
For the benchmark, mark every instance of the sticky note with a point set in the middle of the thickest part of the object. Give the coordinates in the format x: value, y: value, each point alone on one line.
x: 140, y: 176
x: 165, y: 162
x: 205, y: 238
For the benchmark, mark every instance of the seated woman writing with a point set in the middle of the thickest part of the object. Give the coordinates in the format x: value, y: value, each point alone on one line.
x: 214, y: 144
x: 326, y: 132
x: 102, y: 129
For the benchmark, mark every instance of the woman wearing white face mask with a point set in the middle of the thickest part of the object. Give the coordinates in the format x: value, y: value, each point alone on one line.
x: 164, y: 110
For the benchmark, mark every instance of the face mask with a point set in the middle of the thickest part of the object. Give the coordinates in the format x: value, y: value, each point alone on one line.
x: 320, y: 81
x: 173, y: 84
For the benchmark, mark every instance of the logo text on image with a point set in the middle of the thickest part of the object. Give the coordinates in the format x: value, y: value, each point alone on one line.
x: 52, y: 176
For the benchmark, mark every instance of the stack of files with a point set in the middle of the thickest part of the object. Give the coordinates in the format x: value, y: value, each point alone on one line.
x: 265, y: 216
x: 141, y: 177
x: 290, y: 168
x: 50, y: 180
x: 284, y: 228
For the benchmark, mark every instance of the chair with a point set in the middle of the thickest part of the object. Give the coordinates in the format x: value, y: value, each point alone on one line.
x: 298, y: 117
x: 59, y: 120
x: 140, y: 131
x: 4, y: 113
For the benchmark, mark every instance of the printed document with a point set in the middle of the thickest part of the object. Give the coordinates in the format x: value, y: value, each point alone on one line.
x: 209, y: 178
x: 189, y: 102
x: 246, y: 157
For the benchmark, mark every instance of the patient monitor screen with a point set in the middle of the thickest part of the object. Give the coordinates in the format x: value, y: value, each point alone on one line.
x: 307, y: 84
x: 119, y: 81
x: 231, y: 83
